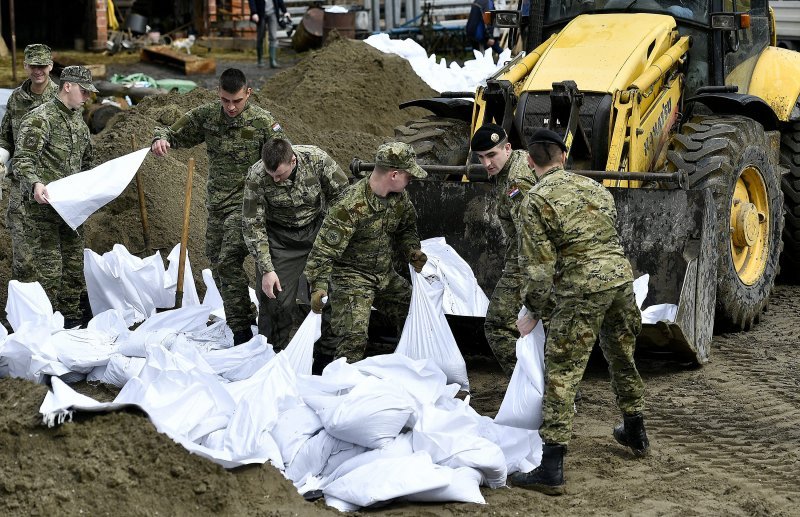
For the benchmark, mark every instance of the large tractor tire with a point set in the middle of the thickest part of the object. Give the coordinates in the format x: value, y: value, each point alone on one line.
x: 790, y: 158
x: 729, y: 154
x: 437, y: 140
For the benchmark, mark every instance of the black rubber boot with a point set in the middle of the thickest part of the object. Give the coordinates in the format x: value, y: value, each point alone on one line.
x: 242, y: 336
x: 273, y: 57
x: 631, y: 433
x: 320, y: 362
x: 548, y: 477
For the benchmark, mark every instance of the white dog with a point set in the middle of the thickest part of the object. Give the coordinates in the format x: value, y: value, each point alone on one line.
x: 185, y: 43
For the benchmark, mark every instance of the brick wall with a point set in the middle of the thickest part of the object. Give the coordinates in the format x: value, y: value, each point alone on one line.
x: 231, y: 19
x: 101, y: 24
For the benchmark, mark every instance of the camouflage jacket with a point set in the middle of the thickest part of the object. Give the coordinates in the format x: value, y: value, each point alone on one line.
x: 294, y: 203
x: 513, y: 182
x: 53, y: 142
x: 359, y: 234
x: 233, y: 145
x: 21, y: 101
x: 568, y: 244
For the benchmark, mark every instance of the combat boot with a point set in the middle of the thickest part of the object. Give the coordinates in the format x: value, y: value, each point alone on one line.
x: 548, y: 477
x: 273, y: 57
x: 631, y: 433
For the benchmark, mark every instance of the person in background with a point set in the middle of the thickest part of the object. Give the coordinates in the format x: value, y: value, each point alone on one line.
x: 234, y: 131
x: 577, y: 274
x: 266, y: 14
x: 285, y: 196
x: 52, y: 143
x: 37, y: 89
x: 478, y: 33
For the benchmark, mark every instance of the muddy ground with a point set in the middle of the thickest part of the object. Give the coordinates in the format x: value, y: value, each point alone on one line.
x: 725, y: 437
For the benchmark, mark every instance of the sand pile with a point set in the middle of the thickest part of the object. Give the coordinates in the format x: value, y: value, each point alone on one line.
x: 343, y: 98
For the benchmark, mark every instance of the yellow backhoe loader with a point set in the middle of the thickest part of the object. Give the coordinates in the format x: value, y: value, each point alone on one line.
x: 686, y: 110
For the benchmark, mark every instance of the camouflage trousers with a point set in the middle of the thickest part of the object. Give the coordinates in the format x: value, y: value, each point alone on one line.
x: 351, y: 297
x: 575, y: 325
x: 226, y: 251
x: 22, y: 235
x: 500, y: 327
x: 289, y: 249
x: 57, y: 257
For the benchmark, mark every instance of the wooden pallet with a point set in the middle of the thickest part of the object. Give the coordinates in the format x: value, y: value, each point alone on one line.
x: 186, y: 63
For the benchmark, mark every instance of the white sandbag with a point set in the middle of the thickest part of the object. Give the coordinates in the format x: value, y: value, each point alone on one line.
x: 240, y: 362
x: 190, y: 296
x: 314, y: 454
x: 522, y: 448
x: 213, y: 299
x: 293, y: 428
x: 78, y: 196
x: 422, y: 378
x: 640, y: 289
x: 120, y: 369
x: 300, y: 349
x: 389, y: 478
x: 81, y: 350
x: 462, y: 294
x: 97, y: 374
x: 522, y: 402
x: 111, y: 322
x: 464, y: 488
x: 660, y: 312
x: 29, y: 354
x: 426, y: 333
x: 372, y: 414
x: 27, y: 302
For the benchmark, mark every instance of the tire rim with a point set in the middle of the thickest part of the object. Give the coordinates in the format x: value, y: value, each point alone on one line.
x: 749, y: 225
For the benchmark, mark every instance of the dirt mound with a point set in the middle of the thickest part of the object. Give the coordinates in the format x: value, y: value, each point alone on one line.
x: 119, y: 464
x: 343, y: 98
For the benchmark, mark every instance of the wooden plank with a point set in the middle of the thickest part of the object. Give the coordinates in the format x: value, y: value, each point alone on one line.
x: 187, y: 63
x: 229, y: 43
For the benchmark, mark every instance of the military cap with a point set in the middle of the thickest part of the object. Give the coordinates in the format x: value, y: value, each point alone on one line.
x: 400, y: 156
x: 38, y: 54
x: 547, y: 136
x: 487, y: 137
x: 80, y: 75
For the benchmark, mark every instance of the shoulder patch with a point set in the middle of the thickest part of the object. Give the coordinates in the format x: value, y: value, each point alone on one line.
x: 276, y: 127
x: 332, y: 236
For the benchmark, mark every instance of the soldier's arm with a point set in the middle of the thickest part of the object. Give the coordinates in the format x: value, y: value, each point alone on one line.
x: 33, y: 135
x: 186, y: 132
x: 406, y: 235
x: 87, y: 161
x: 333, y: 179
x: 7, y: 133
x: 332, y: 239
x: 254, y: 220
x: 537, y: 254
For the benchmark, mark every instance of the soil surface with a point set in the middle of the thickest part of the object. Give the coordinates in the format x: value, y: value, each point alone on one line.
x: 725, y: 438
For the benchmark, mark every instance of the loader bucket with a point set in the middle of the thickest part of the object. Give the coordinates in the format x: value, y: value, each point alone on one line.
x: 668, y: 234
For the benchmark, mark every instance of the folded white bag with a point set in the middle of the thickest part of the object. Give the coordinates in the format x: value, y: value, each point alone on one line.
x: 301, y: 348
x: 427, y: 335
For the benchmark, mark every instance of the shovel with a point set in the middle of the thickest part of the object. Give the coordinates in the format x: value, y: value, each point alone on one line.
x: 187, y: 204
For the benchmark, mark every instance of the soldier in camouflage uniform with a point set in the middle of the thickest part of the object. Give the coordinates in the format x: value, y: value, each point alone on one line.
x: 570, y: 253
x: 32, y: 93
x: 354, y: 249
x: 284, y: 196
x: 234, y: 131
x: 53, y: 142
x: 513, y: 177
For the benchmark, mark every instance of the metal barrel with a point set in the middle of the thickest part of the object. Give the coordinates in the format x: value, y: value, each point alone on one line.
x: 308, y: 34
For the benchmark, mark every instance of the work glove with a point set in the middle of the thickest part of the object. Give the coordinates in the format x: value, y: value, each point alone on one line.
x: 316, y: 301
x: 418, y: 260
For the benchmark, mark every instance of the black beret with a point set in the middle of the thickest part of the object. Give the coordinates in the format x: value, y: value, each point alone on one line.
x: 547, y: 136
x: 487, y: 137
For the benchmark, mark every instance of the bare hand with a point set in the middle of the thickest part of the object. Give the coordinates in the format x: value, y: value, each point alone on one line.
x: 254, y: 17
x: 490, y: 42
x: 270, y: 281
x: 40, y: 194
x: 526, y: 324
x: 160, y: 147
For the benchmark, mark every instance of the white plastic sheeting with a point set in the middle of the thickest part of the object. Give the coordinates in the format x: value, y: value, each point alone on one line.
x: 438, y: 74
x: 78, y: 196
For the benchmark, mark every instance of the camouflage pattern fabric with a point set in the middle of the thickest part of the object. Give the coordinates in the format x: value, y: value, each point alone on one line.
x: 21, y: 101
x: 280, y: 222
x: 577, y: 274
x: 354, y: 250
x: 575, y: 325
x: 568, y: 240
x: 400, y: 156
x: 38, y: 54
x: 512, y: 183
x: 53, y: 142
x: 233, y: 145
